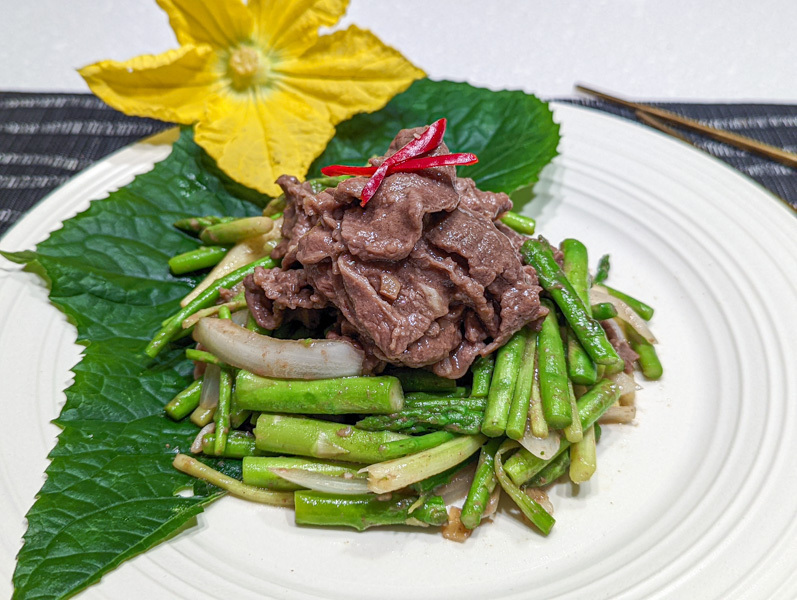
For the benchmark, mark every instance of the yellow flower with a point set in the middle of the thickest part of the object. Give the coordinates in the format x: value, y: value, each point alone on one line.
x: 262, y: 88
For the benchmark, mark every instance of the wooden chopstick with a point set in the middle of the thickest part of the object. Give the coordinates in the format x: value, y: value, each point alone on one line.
x: 657, y: 123
x: 740, y: 141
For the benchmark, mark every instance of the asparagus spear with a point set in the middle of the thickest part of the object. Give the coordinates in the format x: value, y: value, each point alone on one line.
x: 194, y: 260
x: 234, y: 231
x: 580, y: 367
x: 573, y: 432
x: 551, y: 472
x: 648, y: 359
x: 184, y: 403
x: 553, y: 372
x: 366, y: 510
x: 523, y: 465
x: 603, y: 270
x: 519, y: 409
x: 324, y: 439
x: 342, y: 395
x: 204, y: 357
x: 205, y: 299
x: 484, y: 482
x: 587, y: 329
x: 519, y: 223
x: 503, y: 384
x: 448, y: 418
x: 603, y: 310
x: 482, y: 370
x: 533, y: 511
x: 418, y: 380
x: 539, y: 426
x: 257, y: 470
x: 643, y: 310
x: 583, y: 457
x: 414, y: 398
x: 239, y: 444
x: 197, y: 224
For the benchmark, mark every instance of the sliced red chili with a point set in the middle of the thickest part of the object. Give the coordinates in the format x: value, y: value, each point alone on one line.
x: 405, y: 160
x: 407, y: 166
x: 428, y: 140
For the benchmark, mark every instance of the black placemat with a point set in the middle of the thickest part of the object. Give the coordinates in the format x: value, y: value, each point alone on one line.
x: 47, y: 138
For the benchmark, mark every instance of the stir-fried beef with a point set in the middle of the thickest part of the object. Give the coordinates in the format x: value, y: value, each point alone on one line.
x: 422, y: 276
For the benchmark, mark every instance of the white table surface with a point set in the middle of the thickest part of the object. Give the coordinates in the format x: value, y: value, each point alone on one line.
x: 686, y: 49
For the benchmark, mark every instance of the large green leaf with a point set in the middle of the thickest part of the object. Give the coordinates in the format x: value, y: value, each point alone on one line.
x: 111, y: 491
x: 512, y: 133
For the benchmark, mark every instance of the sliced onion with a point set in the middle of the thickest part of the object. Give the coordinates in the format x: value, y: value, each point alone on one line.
x: 544, y: 448
x: 618, y: 414
x: 196, y: 446
x: 492, y: 503
x: 625, y: 383
x: 211, y: 381
x: 240, y: 317
x: 323, y: 483
x: 598, y: 294
x: 458, y: 488
x: 270, y: 357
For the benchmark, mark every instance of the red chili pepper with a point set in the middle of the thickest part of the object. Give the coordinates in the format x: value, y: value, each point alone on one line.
x: 404, y: 160
x: 407, y: 166
x: 427, y: 141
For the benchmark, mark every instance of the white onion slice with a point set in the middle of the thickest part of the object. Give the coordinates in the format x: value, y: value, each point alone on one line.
x: 211, y: 381
x: 492, y: 503
x: 618, y: 414
x: 196, y: 446
x: 457, y: 489
x: 599, y: 294
x: 240, y: 317
x: 625, y: 383
x: 270, y: 357
x: 323, y: 483
x: 544, y: 448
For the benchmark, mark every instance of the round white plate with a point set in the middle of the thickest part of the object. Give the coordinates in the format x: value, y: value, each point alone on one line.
x: 696, y: 499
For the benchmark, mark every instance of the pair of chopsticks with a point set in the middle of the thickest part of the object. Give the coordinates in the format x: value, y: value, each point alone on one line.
x: 658, y: 118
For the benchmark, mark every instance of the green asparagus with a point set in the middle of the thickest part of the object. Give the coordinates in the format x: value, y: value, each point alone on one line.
x: 553, y: 280
x: 521, y: 397
x: 553, y: 372
x: 523, y: 465
x: 366, y: 510
x: 519, y: 223
x: 194, y: 260
x: 484, y: 482
x: 184, y: 403
x: 204, y: 300
x: 482, y: 370
x: 502, y: 387
x: 343, y: 395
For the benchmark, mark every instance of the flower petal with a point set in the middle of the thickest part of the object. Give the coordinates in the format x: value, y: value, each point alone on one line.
x: 255, y: 138
x: 218, y: 23
x: 292, y: 27
x: 173, y: 86
x: 348, y: 72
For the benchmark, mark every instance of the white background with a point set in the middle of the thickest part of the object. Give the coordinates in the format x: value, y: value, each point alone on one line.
x: 690, y: 49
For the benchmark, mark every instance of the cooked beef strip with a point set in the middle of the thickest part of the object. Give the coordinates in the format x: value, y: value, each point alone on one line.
x: 423, y: 276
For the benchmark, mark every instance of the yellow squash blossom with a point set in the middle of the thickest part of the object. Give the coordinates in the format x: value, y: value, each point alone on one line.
x: 262, y: 88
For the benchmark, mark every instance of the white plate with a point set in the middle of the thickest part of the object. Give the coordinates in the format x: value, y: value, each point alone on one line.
x: 697, y: 499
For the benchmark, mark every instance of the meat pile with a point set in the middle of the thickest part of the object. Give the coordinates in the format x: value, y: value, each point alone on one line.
x: 423, y: 276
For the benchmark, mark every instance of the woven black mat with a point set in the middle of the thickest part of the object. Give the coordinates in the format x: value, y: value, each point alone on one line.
x: 47, y: 138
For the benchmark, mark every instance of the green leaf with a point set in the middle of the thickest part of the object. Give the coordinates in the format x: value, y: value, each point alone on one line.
x: 512, y: 133
x: 111, y: 489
